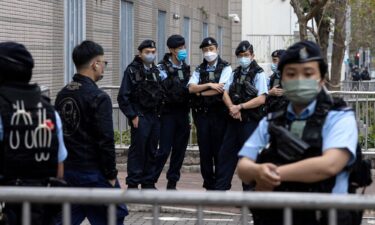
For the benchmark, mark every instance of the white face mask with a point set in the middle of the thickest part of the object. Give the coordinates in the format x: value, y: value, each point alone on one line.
x: 210, y: 56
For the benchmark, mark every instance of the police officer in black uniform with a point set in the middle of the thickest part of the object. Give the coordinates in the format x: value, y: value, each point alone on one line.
x: 31, y: 140
x: 275, y: 100
x: 247, y: 91
x: 139, y: 98
x: 86, y: 113
x: 209, y: 111
x: 308, y: 146
x: 175, y: 125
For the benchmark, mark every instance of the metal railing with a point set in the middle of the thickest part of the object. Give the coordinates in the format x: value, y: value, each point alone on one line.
x: 110, y: 197
x: 363, y: 102
x: 366, y: 85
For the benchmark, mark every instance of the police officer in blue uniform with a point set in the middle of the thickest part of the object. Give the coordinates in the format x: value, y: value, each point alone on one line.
x: 244, y: 97
x: 25, y: 113
x: 175, y: 125
x: 275, y: 100
x: 86, y: 113
x: 139, y: 98
x: 306, y: 147
x: 209, y: 112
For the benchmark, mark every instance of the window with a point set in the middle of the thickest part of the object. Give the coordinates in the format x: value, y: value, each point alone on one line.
x: 127, y: 35
x: 75, y: 32
x: 161, y: 34
x: 220, y: 36
x: 187, y: 35
x: 205, y: 30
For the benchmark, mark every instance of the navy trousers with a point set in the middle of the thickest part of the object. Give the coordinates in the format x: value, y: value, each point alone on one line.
x: 96, y: 214
x: 174, y: 138
x: 143, y: 150
x: 210, y: 133
x: 236, y: 134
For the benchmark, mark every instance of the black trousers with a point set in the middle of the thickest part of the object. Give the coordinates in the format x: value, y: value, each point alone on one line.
x: 210, y: 133
x: 174, y: 138
x: 143, y: 150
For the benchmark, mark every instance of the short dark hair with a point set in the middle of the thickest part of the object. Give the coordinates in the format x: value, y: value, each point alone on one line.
x: 86, y: 51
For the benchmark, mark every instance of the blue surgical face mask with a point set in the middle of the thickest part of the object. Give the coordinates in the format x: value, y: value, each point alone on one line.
x: 181, y: 55
x: 244, y: 62
x: 149, y: 58
x: 274, y: 67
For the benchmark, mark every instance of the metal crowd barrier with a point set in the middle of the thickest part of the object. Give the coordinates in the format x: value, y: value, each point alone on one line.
x: 366, y: 85
x: 110, y: 197
x: 363, y: 102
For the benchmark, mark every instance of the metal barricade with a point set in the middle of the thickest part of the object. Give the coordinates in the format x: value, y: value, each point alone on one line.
x: 110, y: 197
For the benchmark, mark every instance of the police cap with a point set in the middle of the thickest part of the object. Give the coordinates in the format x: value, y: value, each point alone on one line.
x: 207, y: 42
x: 301, y: 52
x: 175, y: 41
x: 277, y: 53
x: 146, y: 44
x: 244, y: 46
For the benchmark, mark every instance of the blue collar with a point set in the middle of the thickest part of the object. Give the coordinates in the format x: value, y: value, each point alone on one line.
x: 306, y: 112
x: 213, y: 67
x: 174, y: 65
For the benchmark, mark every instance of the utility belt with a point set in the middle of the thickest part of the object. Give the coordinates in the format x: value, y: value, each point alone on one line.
x: 175, y: 107
x: 255, y: 114
x: 215, y: 109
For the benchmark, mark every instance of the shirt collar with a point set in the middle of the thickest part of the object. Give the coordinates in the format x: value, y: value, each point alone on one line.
x: 174, y: 65
x: 213, y: 67
x: 306, y: 112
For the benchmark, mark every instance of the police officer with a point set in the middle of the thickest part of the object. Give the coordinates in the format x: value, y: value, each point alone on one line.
x: 244, y: 96
x: 86, y: 113
x: 139, y: 99
x: 175, y: 125
x: 325, y: 130
x: 25, y: 114
x: 275, y: 100
x: 209, y: 111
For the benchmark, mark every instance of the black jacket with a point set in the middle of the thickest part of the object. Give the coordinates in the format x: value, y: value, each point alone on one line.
x: 86, y: 113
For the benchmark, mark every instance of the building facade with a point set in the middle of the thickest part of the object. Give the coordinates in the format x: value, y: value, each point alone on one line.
x: 51, y: 28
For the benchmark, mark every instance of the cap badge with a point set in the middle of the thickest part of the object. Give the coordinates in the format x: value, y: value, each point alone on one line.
x: 303, y: 53
x: 209, y: 42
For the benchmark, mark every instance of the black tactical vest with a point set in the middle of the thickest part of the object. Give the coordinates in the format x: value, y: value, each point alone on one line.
x: 243, y: 89
x: 175, y: 85
x: 216, y: 101
x: 311, y: 135
x: 275, y: 103
x: 29, y: 149
x: 147, y: 90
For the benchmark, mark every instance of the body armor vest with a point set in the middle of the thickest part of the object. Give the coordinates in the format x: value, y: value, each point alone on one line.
x: 243, y: 90
x: 147, y: 90
x: 174, y: 85
x: 275, y: 103
x: 311, y: 135
x: 30, y: 134
x: 216, y: 101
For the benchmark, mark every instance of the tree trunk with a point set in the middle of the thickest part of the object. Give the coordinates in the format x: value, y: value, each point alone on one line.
x: 324, y: 28
x: 339, y: 36
x: 302, y: 31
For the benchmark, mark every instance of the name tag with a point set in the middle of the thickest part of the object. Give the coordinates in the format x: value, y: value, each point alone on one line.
x: 211, y: 75
x: 180, y: 75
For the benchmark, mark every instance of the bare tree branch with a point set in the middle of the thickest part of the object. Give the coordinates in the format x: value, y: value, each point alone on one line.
x: 316, y: 9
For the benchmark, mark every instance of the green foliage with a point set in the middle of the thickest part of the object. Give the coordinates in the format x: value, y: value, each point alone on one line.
x: 125, y: 137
